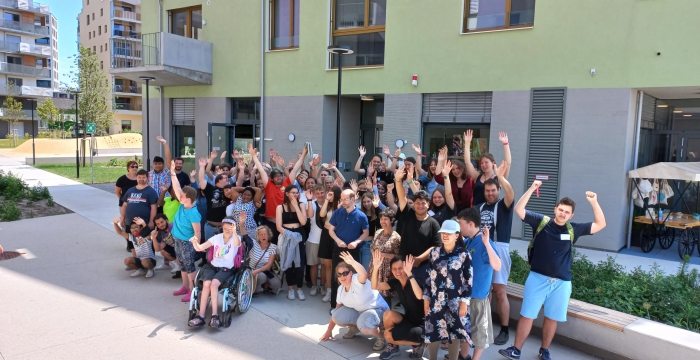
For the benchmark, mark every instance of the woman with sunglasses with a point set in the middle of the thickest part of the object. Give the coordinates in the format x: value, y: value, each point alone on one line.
x: 126, y: 181
x: 359, y: 308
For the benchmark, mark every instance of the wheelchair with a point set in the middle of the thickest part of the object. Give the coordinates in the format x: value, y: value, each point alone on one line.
x: 234, y: 293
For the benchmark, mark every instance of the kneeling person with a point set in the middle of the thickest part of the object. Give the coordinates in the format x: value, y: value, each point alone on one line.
x: 143, y: 258
x: 164, y: 243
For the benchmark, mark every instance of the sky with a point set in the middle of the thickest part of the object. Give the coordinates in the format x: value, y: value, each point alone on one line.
x: 66, y: 12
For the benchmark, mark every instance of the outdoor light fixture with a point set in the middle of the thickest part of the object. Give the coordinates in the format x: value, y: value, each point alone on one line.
x: 677, y: 111
x: 366, y: 98
x: 33, y: 102
x: 148, y: 128
x: 75, y: 126
x: 662, y: 106
x: 687, y: 115
x: 340, y: 50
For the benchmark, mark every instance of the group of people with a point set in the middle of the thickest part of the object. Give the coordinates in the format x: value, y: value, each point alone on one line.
x: 432, y: 241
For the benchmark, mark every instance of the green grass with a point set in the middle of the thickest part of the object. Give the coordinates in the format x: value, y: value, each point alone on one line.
x: 6, y: 143
x: 103, y: 173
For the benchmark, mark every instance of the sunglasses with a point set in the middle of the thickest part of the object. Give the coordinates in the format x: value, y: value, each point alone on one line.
x: 343, y: 274
x: 134, y: 167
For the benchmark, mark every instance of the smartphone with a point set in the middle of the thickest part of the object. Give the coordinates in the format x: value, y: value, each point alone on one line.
x: 314, y: 156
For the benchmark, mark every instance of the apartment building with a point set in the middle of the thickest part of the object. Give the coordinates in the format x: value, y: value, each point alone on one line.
x: 28, y: 59
x: 112, y: 29
x: 586, y: 90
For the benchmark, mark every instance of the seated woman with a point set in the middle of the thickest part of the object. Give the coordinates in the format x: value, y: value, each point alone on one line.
x: 359, y: 307
x: 143, y: 259
x: 401, y: 329
x: 226, y: 246
x: 262, y: 257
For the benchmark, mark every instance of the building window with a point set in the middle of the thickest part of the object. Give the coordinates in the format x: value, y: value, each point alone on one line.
x: 105, y: 29
x: 88, y: 19
x: 15, y: 81
x: 12, y: 17
x: 93, y: 16
x: 94, y: 49
x: 43, y: 83
x: 285, y: 24
x: 90, y: 35
x: 246, y: 109
x: 482, y: 15
x: 14, y: 60
x: 186, y: 22
x: 42, y: 41
x: 99, y: 30
x: 102, y: 12
x: 102, y: 66
x: 359, y: 24
x: 126, y: 125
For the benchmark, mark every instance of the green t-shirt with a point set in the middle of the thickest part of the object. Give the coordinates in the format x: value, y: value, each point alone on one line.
x: 170, y: 207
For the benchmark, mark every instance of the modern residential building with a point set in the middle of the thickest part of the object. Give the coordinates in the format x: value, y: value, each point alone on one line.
x: 28, y: 59
x: 112, y: 29
x: 586, y: 90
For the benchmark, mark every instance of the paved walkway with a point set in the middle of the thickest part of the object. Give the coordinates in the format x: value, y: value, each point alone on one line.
x: 71, y: 298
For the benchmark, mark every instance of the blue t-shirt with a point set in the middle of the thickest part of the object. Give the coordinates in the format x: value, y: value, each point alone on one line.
x: 552, y: 254
x: 138, y: 204
x: 184, y: 218
x: 501, y: 215
x: 430, y: 184
x: 349, y: 225
x: 483, y: 272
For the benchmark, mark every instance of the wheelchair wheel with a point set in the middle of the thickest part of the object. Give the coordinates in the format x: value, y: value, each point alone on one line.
x: 244, y: 290
x: 227, y: 315
x: 194, y: 303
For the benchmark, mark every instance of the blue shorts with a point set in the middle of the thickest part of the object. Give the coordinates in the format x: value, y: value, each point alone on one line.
x: 366, y: 320
x: 553, y: 293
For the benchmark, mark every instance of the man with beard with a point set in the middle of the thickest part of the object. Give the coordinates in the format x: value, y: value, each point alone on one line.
x: 182, y: 176
x: 139, y: 202
x: 159, y: 180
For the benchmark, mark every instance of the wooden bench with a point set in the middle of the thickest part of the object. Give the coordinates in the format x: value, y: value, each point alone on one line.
x: 596, y: 314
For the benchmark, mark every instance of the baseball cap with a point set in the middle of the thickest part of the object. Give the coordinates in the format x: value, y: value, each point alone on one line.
x: 449, y: 226
x: 403, y: 156
x: 275, y: 172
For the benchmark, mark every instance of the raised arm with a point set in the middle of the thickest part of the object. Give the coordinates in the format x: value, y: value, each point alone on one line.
x: 503, y: 136
x: 411, y: 183
x: 598, y: 217
x: 315, y: 170
x: 359, y: 269
x: 419, y: 160
x: 520, y: 206
x: 201, y: 248
x: 324, y: 209
x: 471, y: 171
x: 118, y: 230
x: 494, y: 260
x: 334, y: 168
x: 166, y: 149
x: 202, y: 163
x: 376, y: 265
x: 390, y: 201
x: 449, y: 198
x: 298, y: 164
x: 176, y: 184
x: 210, y: 161
x: 398, y: 183
x: 253, y: 153
x: 408, y: 269
x: 241, y: 172
x: 505, y: 184
x: 358, y: 165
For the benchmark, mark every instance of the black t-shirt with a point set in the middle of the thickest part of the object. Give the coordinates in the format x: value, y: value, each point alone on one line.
x: 552, y: 254
x: 216, y: 203
x: 479, y: 196
x: 386, y: 176
x: 124, y: 183
x: 503, y: 218
x: 417, y: 236
x: 412, y: 305
x: 442, y: 213
x: 138, y: 204
x: 183, y: 179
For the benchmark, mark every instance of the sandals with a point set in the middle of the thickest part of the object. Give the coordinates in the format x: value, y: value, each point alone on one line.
x: 214, y: 321
x: 197, y: 321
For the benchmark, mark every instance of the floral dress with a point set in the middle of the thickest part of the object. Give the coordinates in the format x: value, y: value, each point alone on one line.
x: 389, y: 244
x: 448, y: 284
x: 235, y: 210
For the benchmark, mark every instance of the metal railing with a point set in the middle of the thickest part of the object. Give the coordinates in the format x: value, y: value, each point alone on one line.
x: 24, y: 27
x: 127, y: 33
x: 130, y: 107
x: 25, y: 48
x: 129, y: 15
x: 25, y: 70
x: 150, y: 44
x: 124, y: 47
x: 132, y: 89
x: 128, y: 53
x: 25, y: 5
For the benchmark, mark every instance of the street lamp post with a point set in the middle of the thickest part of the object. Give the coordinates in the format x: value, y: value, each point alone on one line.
x: 32, y: 101
x: 77, y: 145
x: 340, y: 50
x: 147, y: 159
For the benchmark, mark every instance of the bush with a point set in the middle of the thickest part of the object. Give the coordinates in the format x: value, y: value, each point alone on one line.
x: 9, y: 211
x: 38, y: 192
x: 45, y: 135
x: 12, y: 187
x: 116, y: 162
x: 669, y: 299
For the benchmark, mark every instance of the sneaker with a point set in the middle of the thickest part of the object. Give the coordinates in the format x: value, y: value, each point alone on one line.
x: 418, y: 351
x: 182, y: 291
x: 290, y: 295
x: 186, y: 298
x: 352, y: 331
x: 163, y: 266
x: 459, y: 357
x: 544, y: 354
x: 300, y: 295
x: 323, y: 290
x: 502, y: 338
x: 138, y: 272
x: 176, y: 268
x: 128, y: 268
x: 511, y: 353
x: 398, y: 306
x: 314, y: 291
x: 391, y: 351
x: 379, y: 344
x: 149, y: 273
x: 327, y: 297
x: 177, y: 275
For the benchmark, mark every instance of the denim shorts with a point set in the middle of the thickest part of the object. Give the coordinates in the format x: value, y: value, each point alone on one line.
x: 366, y: 320
x: 553, y: 293
x: 186, y: 254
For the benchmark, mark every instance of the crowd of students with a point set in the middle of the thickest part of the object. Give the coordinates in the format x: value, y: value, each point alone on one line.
x: 433, y: 242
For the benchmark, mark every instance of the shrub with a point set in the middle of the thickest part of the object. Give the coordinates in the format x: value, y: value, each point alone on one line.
x: 116, y: 162
x: 669, y: 299
x: 9, y: 211
x: 38, y: 192
x: 12, y: 187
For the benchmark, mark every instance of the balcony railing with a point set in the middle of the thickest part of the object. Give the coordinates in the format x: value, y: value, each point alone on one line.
x: 127, y: 33
x: 14, y: 47
x: 26, y: 5
x: 18, y: 90
x: 132, y: 89
x: 24, y: 27
x: 126, y: 48
x: 130, y: 107
x: 25, y: 70
x: 129, y: 15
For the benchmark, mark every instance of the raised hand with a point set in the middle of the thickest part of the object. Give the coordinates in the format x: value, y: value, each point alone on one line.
x: 161, y: 140
x: 278, y: 160
x: 304, y: 151
x: 353, y: 185
x: 333, y: 165
x: 591, y: 196
x: 375, y: 201
x: 408, y: 265
x: 139, y: 221
x: 329, y: 196
x: 501, y: 170
x: 172, y: 166
x: 503, y: 136
x: 202, y: 162
x: 235, y: 155
x: 536, y: 184
x: 192, y: 173
x: 397, y: 152
x: 485, y: 235
x: 385, y: 150
x: 223, y: 155
x: 345, y: 256
x: 416, y: 148
x: 241, y: 217
x: 363, y: 152
x: 339, y: 182
x: 409, y: 175
x: 316, y: 161
x: 468, y: 136
x: 442, y: 153
x: 213, y: 154
x: 309, y: 195
x: 377, y: 259
x: 251, y: 150
x: 389, y: 187
x: 446, y: 168
x: 241, y: 165
x: 400, y: 173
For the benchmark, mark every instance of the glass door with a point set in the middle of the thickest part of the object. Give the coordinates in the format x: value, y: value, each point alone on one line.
x: 184, y: 146
x: 221, y: 138
x: 435, y: 136
x: 690, y: 148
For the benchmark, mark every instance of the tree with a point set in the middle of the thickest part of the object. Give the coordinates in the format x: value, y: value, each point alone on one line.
x: 12, y: 110
x: 94, y: 85
x: 48, y: 112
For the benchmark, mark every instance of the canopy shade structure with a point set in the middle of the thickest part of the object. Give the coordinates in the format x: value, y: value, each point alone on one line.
x: 688, y: 171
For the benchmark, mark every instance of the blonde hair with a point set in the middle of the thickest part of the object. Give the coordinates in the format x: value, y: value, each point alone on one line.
x: 266, y: 228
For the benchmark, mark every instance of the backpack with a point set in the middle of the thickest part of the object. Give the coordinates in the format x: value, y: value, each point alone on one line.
x: 543, y: 223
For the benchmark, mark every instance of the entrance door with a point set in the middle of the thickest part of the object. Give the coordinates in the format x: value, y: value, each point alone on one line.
x: 675, y: 146
x: 371, y: 138
x: 221, y: 138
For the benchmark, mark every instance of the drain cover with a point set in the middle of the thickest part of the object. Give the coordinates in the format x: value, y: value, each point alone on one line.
x: 8, y: 255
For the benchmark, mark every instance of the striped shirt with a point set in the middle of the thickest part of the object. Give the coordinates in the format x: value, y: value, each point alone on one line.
x: 258, y: 257
x: 143, y: 247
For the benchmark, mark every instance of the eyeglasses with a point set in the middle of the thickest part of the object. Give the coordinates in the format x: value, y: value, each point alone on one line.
x: 134, y: 166
x: 343, y: 274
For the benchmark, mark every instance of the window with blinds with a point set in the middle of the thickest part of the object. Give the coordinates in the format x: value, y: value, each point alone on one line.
x: 472, y: 107
x: 182, y: 112
x: 648, y: 112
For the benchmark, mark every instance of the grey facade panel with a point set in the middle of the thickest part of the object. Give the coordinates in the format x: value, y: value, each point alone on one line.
x: 402, y: 120
x: 298, y: 115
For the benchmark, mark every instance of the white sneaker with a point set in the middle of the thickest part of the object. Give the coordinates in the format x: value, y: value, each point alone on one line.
x: 323, y: 290
x: 314, y: 291
x: 149, y: 273
x: 300, y: 295
x: 138, y: 272
x: 290, y: 295
x: 128, y: 268
x: 327, y: 297
x: 176, y: 268
x: 163, y: 266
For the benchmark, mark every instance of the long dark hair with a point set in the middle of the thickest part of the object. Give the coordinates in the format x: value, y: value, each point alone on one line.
x: 437, y: 171
x: 371, y: 213
x: 287, y: 190
x: 333, y: 206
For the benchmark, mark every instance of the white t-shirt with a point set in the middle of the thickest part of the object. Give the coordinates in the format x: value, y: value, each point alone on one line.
x: 143, y: 247
x: 223, y: 253
x: 315, y: 232
x: 361, y: 297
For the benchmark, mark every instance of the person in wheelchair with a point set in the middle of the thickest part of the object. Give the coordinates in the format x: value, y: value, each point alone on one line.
x: 220, y: 269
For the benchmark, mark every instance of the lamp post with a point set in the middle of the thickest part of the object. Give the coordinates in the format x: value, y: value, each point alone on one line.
x: 77, y: 145
x: 340, y: 50
x: 32, y: 101
x: 147, y: 159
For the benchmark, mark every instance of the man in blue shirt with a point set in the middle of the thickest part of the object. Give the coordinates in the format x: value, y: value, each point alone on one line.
x: 349, y: 228
x: 549, y: 281
x: 484, y: 261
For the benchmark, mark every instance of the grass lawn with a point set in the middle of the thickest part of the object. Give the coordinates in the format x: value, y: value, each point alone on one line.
x: 5, y: 143
x: 103, y: 173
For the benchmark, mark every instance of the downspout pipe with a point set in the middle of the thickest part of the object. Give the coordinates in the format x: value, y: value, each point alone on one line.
x: 160, y: 88
x: 637, y: 130
x: 262, y: 80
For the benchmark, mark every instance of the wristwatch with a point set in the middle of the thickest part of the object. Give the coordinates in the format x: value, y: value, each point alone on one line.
x: 410, y: 277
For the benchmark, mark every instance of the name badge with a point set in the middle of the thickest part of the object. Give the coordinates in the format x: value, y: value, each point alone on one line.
x: 566, y: 237
x: 431, y: 213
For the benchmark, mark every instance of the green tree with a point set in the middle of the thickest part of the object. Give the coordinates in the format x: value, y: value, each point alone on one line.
x: 48, y: 112
x: 94, y: 85
x: 11, y: 110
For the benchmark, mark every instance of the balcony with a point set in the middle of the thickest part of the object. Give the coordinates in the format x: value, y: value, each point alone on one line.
x: 172, y: 59
x: 132, y: 16
x: 128, y: 90
x: 24, y: 70
x: 25, y: 48
x: 27, y: 91
x: 27, y: 5
x: 27, y: 28
x: 127, y: 34
x: 122, y: 108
